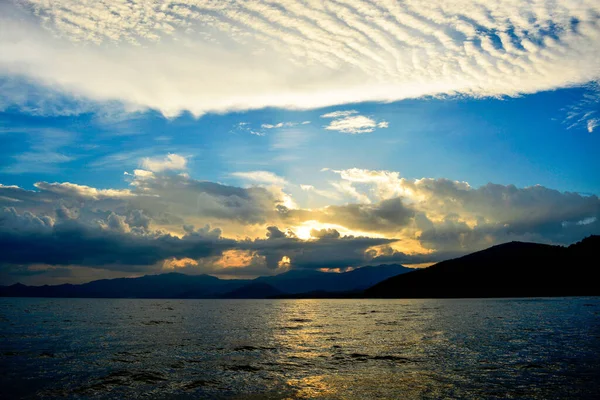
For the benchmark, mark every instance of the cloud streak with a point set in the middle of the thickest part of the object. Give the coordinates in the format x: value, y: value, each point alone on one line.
x: 350, y: 122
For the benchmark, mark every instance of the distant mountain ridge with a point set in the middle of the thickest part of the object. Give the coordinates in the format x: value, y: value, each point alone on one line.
x: 176, y: 285
x: 303, y: 281
x: 514, y: 269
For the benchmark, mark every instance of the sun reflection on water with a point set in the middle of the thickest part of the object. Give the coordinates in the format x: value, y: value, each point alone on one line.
x: 301, y: 349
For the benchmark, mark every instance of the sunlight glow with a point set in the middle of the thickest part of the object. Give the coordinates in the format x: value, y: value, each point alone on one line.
x: 304, y: 231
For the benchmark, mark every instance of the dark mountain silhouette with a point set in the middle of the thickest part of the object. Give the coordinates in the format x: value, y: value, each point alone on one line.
x: 253, y: 290
x: 513, y: 269
x: 176, y: 285
x: 171, y: 285
x: 303, y: 281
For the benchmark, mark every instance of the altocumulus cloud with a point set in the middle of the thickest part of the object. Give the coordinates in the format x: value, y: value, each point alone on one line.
x: 220, y: 56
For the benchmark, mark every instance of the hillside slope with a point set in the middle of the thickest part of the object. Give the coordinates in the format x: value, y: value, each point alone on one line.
x: 508, y: 270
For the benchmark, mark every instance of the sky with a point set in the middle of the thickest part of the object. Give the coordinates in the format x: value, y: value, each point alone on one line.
x: 248, y: 138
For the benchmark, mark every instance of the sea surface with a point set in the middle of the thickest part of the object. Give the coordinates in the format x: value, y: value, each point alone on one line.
x: 300, y: 349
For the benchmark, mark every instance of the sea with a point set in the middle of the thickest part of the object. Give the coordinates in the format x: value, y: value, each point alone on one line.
x: 535, y: 348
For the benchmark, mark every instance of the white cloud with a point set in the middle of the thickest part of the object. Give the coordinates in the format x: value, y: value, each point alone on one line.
x: 262, y: 177
x: 74, y: 190
x: 584, y: 113
x: 246, y: 127
x: 284, y: 125
x: 339, y: 114
x: 347, y: 189
x: 349, y: 122
x: 173, y: 162
x: 592, y: 124
x: 324, y: 193
x: 380, y: 185
x: 587, y: 221
x: 206, y: 56
x: 279, y: 125
x: 446, y: 202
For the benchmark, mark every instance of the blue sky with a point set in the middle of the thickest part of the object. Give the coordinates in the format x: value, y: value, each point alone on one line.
x: 523, y: 141
x: 246, y: 139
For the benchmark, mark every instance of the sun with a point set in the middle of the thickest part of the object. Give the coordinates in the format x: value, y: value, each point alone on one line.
x: 303, y: 231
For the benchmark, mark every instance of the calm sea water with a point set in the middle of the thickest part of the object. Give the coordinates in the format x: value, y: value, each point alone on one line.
x: 329, y: 349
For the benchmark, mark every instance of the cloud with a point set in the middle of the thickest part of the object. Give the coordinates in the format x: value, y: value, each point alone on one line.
x: 283, y: 125
x: 328, y: 250
x: 262, y: 131
x: 172, y: 162
x: 592, y: 124
x: 348, y: 190
x: 246, y: 127
x: 26, y: 239
x: 585, y: 112
x: 339, y: 114
x: 107, y: 246
x: 451, y: 217
x: 262, y: 177
x: 173, y: 198
x: 17, y: 92
x: 381, y: 184
x: 324, y: 193
x: 46, y: 151
x: 205, y: 56
x: 150, y: 225
x: 73, y: 190
x: 348, y: 122
x: 169, y: 200
x: 325, y: 233
x: 389, y: 215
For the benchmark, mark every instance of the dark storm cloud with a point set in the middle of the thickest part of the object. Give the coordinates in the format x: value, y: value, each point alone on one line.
x: 26, y: 239
x: 385, y: 216
x: 329, y: 251
x: 70, y: 242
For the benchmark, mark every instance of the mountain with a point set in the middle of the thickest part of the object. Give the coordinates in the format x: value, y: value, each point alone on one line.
x: 305, y: 281
x: 513, y: 269
x: 254, y: 290
x: 176, y: 285
x: 171, y: 285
